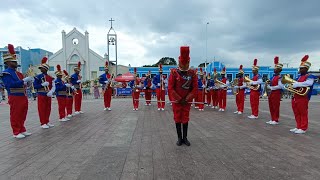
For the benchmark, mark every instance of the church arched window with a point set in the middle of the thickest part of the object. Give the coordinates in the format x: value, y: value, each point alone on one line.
x: 75, y: 58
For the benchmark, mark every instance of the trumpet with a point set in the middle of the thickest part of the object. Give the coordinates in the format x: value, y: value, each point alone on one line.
x: 265, y: 90
x: 287, y: 81
x: 46, y: 88
x: 248, y: 80
x: 221, y: 84
x: 235, y: 83
x: 31, y: 73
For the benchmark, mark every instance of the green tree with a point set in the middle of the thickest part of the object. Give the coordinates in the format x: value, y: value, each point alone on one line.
x: 163, y: 61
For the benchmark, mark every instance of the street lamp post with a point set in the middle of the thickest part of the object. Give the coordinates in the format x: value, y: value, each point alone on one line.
x: 205, y: 63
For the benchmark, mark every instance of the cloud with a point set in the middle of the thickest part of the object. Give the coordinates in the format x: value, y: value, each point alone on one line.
x: 238, y: 31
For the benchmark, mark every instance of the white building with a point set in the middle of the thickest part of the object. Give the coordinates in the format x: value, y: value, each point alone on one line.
x: 75, y: 48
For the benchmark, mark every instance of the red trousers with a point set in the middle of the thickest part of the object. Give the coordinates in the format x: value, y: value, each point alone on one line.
x: 148, y: 96
x: 135, y: 99
x: 209, y: 96
x: 18, y: 113
x: 240, y: 100
x: 274, y: 105
x: 78, y: 100
x: 200, y: 99
x: 62, y: 106
x: 300, y: 110
x: 107, y: 97
x: 161, y: 94
x: 254, y: 102
x: 181, y: 112
x: 222, y: 99
x: 44, y: 108
x: 69, y: 102
x: 215, y: 97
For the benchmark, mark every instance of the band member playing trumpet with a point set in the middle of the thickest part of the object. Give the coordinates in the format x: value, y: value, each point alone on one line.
x: 76, y: 82
x: 61, y: 93
x: 223, y: 87
x: 254, y: 86
x: 182, y: 86
x: 158, y: 80
x: 274, y: 98
x: 136, y: 88
x: 214, y: 90
x: 304, y: 82
x: 241, y: 90
x: 105, y: 80
x: 15, y: 85
x: 70, y: 94
x: 201, y: 87
x: 147, y: 88
x: 44, y: 84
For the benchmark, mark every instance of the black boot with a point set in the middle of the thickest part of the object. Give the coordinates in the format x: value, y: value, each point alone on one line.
x: 185, y: 134
x: 178, y: 127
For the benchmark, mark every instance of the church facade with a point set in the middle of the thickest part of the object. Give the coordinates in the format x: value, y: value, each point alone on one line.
x: 75, y: 48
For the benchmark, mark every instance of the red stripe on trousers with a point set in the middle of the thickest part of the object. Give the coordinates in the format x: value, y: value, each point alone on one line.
x: 240, y: 100
x: 254, y: 102
x: 274, y: 105
x: 161, y: 94
x: 222, y: 99
x: 200, y: 99
x: 107, y: 97
x: 62, y: 107
x: 18, y: 113
x: 78, y: 100
x: 148, y: 96
x: 135, y: 96
x: 69, y: 103
x: 300, y: 110
x: 44, y: 108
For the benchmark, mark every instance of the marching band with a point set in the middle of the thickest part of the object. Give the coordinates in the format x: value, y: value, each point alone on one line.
x: 183, y: 86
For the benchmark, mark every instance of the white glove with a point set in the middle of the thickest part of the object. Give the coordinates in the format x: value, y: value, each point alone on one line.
x: 106, y: 82
x: 68, y: 85
x: 28, y: 79
x: 49, y: 94
x: 295, y: 85
x: 236, y: 87
x: 45, y: 84
x: 158, y: 84
x: 203, y: 86
x: 144, y: 88
x: 73, y: 88
x: 251, y: 83
x: 79, y: 81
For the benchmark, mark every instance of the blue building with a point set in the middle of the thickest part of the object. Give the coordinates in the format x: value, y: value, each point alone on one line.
x: 25, y: 57
x: 265, y: 71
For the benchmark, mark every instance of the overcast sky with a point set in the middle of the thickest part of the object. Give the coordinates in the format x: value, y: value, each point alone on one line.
x: 238, y: 31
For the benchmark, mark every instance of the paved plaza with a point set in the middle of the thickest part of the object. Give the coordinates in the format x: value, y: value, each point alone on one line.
x: 126, y: 144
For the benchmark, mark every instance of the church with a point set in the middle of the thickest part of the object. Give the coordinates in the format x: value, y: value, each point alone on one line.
x: 75, y: 48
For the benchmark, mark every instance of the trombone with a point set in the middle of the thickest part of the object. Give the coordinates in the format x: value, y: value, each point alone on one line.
x: 287, y: 81
x: 248, y: 80
x: 31, y: 73
x: 221, y: 84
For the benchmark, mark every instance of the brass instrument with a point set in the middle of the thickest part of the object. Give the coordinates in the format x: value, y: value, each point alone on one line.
x: 31, y: 73
x: 248, y: 80
x: 46, y: 88
x: 221, y: 84
x: 68, y: 80
x: 287, y: 81
x: 265, y: 90
x: 235, y: 83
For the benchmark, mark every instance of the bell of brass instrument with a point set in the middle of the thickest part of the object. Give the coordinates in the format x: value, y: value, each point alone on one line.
x: 221, y: 83
x: 287, y: 81
x: 248, y: 80
x: 235, y: 83
x: 265, y: 90
x: 46, y: 88
x: 31, y: 73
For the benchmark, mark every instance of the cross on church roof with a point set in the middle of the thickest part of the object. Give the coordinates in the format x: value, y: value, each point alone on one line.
x: 111, y: 21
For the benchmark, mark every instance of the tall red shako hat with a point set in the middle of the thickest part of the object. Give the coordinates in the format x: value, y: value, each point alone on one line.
x: 58, y: 72
x: 305, y: 63
x: 78, y: 67
x: 65, y: 73
x: 223, y: 70
x: 11, y: 55
x: 160, y: 68
x: 201, y: 72
x: 277, y: 65
x: 241, y: 70
x: 106, y: 66
x: 44, y: 63
x: 184, y: 58
x: 255, y: 67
